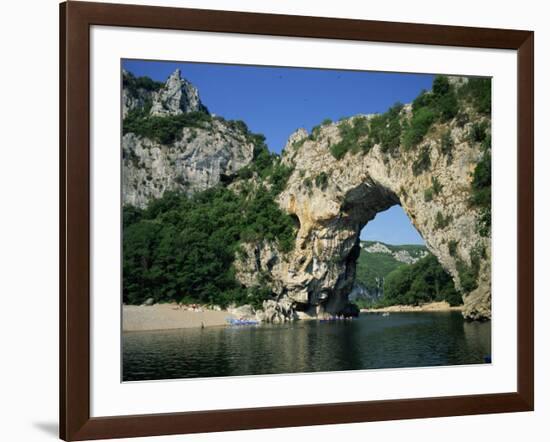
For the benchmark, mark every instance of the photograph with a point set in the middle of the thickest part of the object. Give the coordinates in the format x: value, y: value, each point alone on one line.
x: 280, y: 220
x: 230, y: 220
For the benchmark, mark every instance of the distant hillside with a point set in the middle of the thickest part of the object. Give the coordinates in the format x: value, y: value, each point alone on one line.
x: 400, y: 274
x: 406, y: 253
x: 377, y: 260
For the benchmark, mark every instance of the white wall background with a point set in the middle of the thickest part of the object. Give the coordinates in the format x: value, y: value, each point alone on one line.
x: 28, y: 218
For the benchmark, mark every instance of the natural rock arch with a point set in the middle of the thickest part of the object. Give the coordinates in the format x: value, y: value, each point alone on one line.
x: 333, y: 199
x: 330, y: 199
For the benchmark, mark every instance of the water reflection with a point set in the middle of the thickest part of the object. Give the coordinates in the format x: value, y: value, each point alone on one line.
x: 372, y: 341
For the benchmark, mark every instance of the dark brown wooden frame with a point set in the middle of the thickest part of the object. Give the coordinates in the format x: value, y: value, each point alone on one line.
x: 75, y: 21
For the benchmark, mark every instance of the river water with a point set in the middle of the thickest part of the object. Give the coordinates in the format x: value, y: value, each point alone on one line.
x: 419, y: 339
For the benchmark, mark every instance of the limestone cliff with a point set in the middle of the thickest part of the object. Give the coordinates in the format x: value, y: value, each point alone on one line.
x: 332, y: 192
x: 176, y: 96
x: 333, y: 199
x: 204, y: 151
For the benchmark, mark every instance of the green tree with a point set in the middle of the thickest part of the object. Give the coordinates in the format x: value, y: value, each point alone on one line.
x: 184, y: 247
x: 421, y: 282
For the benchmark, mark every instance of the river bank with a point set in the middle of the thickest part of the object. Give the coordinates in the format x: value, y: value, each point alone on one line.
x: 174, y: 316
x: 442, y: 306
x: 170, y: 316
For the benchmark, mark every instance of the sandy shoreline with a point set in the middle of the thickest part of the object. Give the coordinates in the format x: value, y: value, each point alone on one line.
x: 169, y: 317
x: 442, y: 306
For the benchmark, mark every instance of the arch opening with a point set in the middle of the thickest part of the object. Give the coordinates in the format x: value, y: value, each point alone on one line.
x: 387, y: 242
x: 372, y: 236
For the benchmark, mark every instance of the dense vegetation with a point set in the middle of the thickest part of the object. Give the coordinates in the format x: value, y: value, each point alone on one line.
x: 421, y: 282
x: 183, y: 248
x: 133, y: 84
x: 477, y: 92
x: 446, y: 144
x: 350, y: 132
x: 386, y: 130
x: 409, y: 284
x: 163, y: 129
x: 481, y: 182
x: 361, y: 134
x: 468, y: 274
x: 392, y: 130
x: 439, y: 105
x: 266, y: 165
x: 374, y: 267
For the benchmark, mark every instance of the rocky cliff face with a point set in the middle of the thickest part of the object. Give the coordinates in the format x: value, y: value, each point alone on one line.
x: 199, y: 157
x: 330, y: 198
x: 176, y: 96
x: 319, y: 274
x: 199, y: 160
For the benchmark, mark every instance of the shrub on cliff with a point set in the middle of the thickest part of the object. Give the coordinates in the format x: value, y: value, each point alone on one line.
x: 163, y: 129
x: 423, y: 162
x: 441, y: 104
x: 446, y: 145
x: 481, y: 182
x: 350, y: 132
x: 133, y: 84
x: 477, y: 91
x: 418, y: 127
x: 321, y: 180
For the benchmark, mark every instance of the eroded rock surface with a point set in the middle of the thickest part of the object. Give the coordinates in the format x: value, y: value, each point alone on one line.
x: 319, y: 274
x: 176, y: 96
x: 198, y: 159
x: 330, y: 199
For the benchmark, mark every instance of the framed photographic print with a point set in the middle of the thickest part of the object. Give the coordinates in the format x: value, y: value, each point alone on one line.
x: 273, y: 220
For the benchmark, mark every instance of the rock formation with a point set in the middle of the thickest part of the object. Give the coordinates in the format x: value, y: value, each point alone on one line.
x: 199, y: 158
x: 319, y: 274
x: 176, y: 96
x: 330, y: 199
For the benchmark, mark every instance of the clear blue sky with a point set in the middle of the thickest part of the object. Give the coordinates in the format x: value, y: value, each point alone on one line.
x: 392, y: 227
x: 276, y: 101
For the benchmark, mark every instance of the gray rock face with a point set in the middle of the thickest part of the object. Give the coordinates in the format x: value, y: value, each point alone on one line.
x: 197, y: 161
x: 319, y: 274
x: 277, y: 312
x: 176, y: 96
x: 359, y: 291
x: 133, y: 100
x: 199, y: 158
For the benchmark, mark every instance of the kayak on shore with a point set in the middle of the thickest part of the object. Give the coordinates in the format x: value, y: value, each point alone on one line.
x: 234, y: 321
